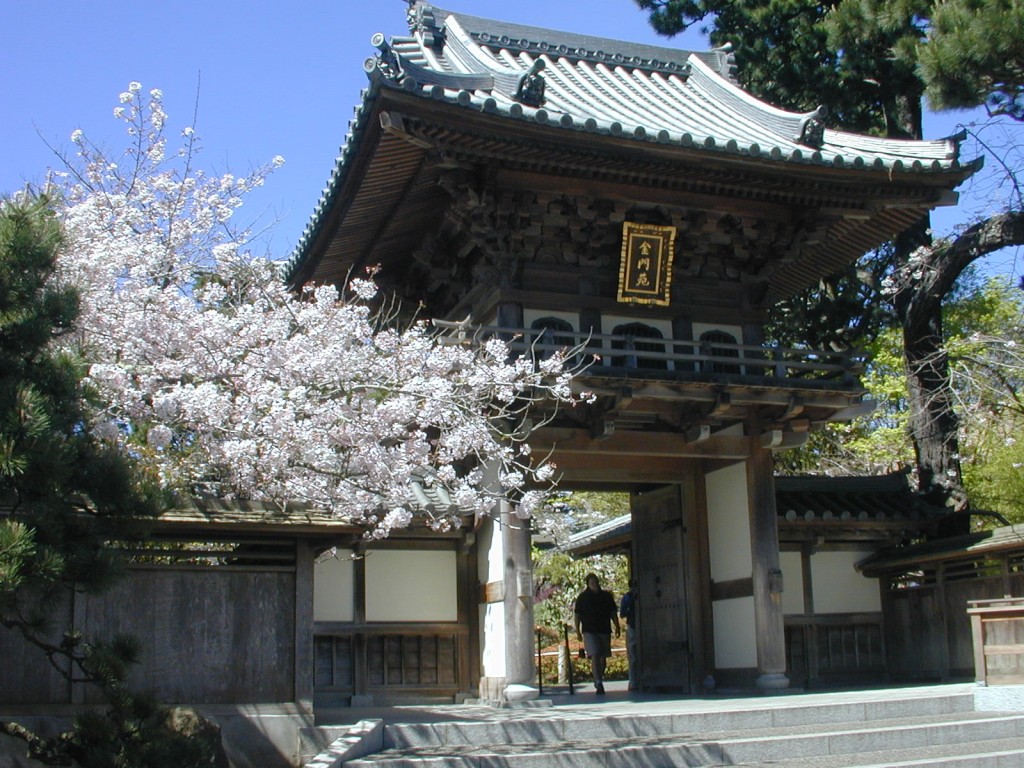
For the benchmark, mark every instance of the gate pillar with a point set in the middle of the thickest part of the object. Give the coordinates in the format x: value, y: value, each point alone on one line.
x: 767, y: 571
x: 520, y: 666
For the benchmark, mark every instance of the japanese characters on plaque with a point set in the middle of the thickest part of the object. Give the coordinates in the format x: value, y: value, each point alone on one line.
x: 645, y: 273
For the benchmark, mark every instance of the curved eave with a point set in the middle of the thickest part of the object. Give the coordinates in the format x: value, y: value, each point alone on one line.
x: 732, y: 125
x: 730, y: 138
x: 685, y: 102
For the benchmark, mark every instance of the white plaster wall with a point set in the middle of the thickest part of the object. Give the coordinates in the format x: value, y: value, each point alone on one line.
x: 491, y: 567
x: 491, y: 551
x: 792, y: 583
x: 735, y: 643
x: 333, y: 588
x: 729, y: 523
x: 493, y: 628
x: 838, y: 588
x: 409, y: 585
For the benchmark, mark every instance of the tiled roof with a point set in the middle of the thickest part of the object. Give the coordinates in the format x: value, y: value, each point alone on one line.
x: 650, y: 94
x: 604, y: 537
x: 967, y: 546
x: 820, y: 503
x: 868, y: 498
x: 427, y: 499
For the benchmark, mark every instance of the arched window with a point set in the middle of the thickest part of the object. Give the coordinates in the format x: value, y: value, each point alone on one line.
x: 550, y: 334
x: 716, y: 344
x: 635, y: 342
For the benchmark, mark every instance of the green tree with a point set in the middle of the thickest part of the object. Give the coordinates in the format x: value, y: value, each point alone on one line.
x: 984, y: 322
x: 860, y: 58
x: 973, y: 56
x: 63, y: 497
x: 559, y: 577
x: 987, y: 361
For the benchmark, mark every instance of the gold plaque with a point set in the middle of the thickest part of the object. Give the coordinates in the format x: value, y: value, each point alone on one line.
x: 645, y: 273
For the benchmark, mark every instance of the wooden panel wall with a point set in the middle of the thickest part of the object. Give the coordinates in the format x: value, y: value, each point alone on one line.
x: 390, y: 663
x: 207, y: 635
x: 927, y: 628
x: 958, y: 622
x: 914, y: 628
x: 210, y: 635
x: 26, y: 677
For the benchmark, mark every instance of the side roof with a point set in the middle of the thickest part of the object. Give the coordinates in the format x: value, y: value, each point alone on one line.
x: 577, y: 83
x: 854, y: 508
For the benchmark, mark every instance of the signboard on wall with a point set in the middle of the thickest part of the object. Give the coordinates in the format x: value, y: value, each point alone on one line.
x: 645, y: 272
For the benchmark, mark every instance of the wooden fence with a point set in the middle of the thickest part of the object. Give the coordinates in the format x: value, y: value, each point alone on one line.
x: 997, y: 628
x: 216, y: 623
x: 927, y: 628
x: 835, y: 649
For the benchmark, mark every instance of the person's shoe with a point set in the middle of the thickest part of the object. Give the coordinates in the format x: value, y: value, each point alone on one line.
x: 599, y: 688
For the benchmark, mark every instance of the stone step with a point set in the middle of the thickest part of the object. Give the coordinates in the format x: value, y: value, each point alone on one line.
x: 559, y: 726
x: 964, y: 736
x: 994, y: 753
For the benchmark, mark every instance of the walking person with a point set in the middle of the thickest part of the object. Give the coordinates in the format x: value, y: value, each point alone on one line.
x: 596, y: 614
x: 627, y: 610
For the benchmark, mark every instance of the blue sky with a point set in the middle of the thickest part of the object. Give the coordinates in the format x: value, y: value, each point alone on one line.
x: 273, y: 77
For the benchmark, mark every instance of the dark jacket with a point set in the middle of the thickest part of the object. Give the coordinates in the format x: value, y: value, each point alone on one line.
x: 596, y: 611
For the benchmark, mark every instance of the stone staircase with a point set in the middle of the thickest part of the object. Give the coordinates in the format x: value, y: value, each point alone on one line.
x: 896, y: 727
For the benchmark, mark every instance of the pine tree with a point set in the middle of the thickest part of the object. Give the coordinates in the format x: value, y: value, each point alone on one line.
x: 860, y: 59
x: 974, y: 56
x: 63, y: 497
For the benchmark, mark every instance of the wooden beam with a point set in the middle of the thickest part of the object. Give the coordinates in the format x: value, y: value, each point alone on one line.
x: 585, y: 471
x: 794, y: 409
x: 304, y: 654
x: 636, y: 194
x: 730, y: 590
x: 623, y: 443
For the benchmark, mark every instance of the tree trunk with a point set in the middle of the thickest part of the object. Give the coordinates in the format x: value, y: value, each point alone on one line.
x: 933, y: 422
x: 925, y: 275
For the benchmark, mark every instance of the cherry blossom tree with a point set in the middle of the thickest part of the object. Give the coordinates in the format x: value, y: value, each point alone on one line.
x: 210, y: 370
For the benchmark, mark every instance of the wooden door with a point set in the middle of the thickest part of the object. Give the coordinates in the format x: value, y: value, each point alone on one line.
x: 659, y: 538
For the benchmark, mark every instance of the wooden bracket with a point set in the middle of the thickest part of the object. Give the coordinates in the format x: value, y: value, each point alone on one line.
x: 723, y: 404
x: 698, y: 434
x: 602, y: 429
x: 794, y: 409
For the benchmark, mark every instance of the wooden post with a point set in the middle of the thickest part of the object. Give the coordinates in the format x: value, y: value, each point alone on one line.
x: 767, y: 572
x: 468, y: 644
x: 359, y: 650
x: 304, y: 557
x: 518, y: 600
x: 810, y: 632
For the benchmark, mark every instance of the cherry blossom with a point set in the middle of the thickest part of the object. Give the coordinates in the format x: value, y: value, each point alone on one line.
x: 227, y: 384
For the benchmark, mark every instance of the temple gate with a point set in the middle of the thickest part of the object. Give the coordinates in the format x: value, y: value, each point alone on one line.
x: 561, y: 190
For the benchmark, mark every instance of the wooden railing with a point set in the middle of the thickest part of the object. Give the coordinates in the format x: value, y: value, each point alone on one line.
x: 997, y: 628
x: 389, y: 662
x: 835, y: 648
x: 682, y: 357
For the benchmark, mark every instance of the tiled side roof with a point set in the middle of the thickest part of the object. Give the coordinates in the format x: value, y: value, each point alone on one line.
x: 428, y: 499
x: 973, y: 545
x: 608, y: 531
x: 802, y: 501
